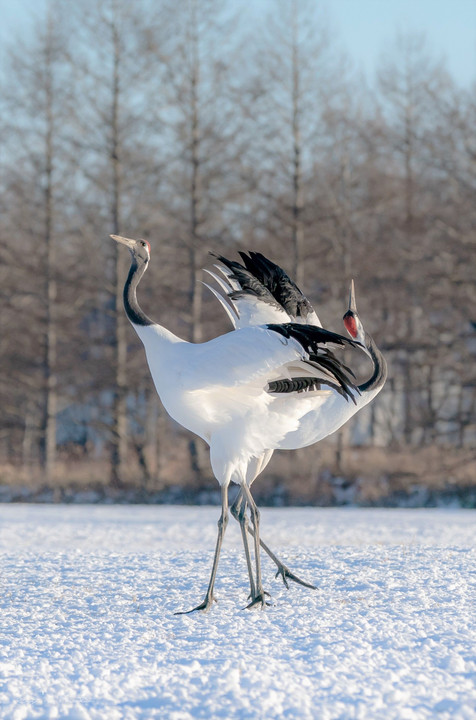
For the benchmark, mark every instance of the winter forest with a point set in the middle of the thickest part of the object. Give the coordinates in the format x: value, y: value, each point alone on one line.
x: 200, y: 127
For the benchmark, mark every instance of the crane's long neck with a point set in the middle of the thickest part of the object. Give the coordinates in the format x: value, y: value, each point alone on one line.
x: 379, y: 375
x: 132, y: 308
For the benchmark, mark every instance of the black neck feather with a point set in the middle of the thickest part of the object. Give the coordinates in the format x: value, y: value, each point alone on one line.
x: 132, y: 308
x: 379, y: 375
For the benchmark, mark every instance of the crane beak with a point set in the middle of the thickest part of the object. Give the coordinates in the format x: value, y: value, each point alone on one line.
x: 352, y: 305
x: 124, y: 241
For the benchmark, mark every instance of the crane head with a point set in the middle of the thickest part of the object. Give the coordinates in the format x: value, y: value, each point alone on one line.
x: 140, y: 249
x: 351, y: 319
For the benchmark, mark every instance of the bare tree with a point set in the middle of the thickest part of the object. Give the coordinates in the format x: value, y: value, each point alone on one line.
x: 201, y: 154
x: 112, y: 129
x: 37, y: 101
x: 409, y: 80
x: 451, y: 155
x: 148, y: 124
x: 296, y: 75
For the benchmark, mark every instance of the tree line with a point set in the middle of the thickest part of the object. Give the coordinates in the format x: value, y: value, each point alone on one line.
x: 190, y: 125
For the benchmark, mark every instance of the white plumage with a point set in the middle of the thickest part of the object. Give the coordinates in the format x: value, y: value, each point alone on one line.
x: 261, y: 387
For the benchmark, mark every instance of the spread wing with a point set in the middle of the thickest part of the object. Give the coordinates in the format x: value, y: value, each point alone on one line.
x: 259, y: 292
x: 279, y: 358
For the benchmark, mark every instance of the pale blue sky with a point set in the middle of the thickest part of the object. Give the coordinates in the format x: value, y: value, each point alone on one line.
x: 367, y: 27
x: 363, y: 28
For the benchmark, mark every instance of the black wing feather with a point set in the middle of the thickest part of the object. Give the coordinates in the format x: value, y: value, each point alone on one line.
x: 250, y: 284
x: 279, y: 284
x: 264, y: 279
x: 311, y: 339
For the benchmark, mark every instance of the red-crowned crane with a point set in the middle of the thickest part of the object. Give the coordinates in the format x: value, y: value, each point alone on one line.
x: 259, y: 292
x: 242, y: 393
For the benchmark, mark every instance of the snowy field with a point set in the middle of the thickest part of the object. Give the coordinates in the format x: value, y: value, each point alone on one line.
x: 88, y: 630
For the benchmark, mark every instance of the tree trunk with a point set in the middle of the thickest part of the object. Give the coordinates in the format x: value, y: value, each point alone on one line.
x: 119, y: 411
x: 152, y: 437
x: 297, y: 223
x: 408, y: 387
x: 28, y: 437
x: 195, y: 251
x: 194, y: 240
x: 50, y: 405
x: 408, y: 159
x: 48, y: 424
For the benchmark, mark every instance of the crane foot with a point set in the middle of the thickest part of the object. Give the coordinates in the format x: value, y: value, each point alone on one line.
x: 259, y: 601
x: 286, y: 575
x: 205, y: 606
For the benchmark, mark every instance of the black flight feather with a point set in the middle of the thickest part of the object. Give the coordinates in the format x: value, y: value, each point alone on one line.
x: 311, y: 339
x: 250, y: 285
x: 264, y: 279
x: 279, y: 284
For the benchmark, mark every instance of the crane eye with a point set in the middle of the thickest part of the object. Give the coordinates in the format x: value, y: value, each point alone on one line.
x: 143, y: 244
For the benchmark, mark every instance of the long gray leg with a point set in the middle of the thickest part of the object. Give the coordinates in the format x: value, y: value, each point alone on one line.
x: 285, y: 572
x: 259, y: 597
x: 238, y: 510
x: 222, y: 523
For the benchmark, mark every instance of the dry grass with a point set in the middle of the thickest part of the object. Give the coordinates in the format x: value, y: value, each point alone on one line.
x: 367, y: 475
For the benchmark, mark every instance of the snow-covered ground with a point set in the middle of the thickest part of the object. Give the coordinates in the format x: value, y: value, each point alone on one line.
x: 87, y: 597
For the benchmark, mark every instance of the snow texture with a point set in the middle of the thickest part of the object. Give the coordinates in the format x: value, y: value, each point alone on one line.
x: 88, y: 630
